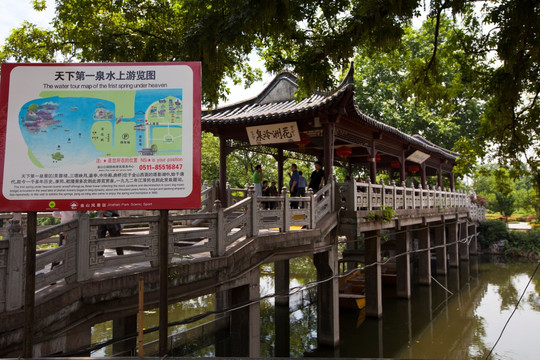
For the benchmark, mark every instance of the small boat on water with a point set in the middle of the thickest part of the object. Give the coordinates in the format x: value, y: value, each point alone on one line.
x: 352, y: 290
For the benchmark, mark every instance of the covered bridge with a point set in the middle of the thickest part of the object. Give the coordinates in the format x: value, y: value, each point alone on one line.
x: 327, y: 125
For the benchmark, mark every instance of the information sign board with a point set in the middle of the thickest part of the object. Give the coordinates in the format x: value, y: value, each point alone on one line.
x: 100, y: 136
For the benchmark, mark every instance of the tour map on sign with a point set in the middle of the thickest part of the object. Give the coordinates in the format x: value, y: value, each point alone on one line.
x: 65, y: 128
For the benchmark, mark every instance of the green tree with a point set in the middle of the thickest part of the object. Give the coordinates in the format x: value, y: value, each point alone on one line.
x: 491, y: 179
x: 497, y: 49
x: 209, y: 157
x: 385, y: 85
x: 503, y: 204
x: 311, y: 38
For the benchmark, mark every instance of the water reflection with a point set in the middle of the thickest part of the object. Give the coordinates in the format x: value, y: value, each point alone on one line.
x: 464, y: 325
x: 460, y: 317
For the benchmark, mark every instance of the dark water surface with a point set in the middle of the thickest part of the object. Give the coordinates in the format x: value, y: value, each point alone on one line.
x: 463, y: 324
x: 460, y: 316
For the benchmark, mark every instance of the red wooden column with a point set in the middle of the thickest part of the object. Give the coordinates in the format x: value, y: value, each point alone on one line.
x: 439, y: 176
x: 223, y: 170
x: 328, y: 135
x: 402, y: 169
x: 423, y: 175
x: 373, y: 164
x: 280, y: 160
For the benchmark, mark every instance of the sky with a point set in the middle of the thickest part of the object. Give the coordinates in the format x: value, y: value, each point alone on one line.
x: 14, y: 12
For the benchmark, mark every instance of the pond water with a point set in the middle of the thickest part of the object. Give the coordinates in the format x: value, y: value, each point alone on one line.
x: 463, y: 324
x: 461, y: 316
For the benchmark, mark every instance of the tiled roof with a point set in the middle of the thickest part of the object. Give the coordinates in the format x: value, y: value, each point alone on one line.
x: 245, y: 113
x: 255, y: 110
x: 416, y: 140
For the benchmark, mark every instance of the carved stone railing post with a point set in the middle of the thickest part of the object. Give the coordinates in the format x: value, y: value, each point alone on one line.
x: 254, y: 213
x: 82, y: 241
x: 229, y: 194
x: 286, y: 210
x: 413, y: 189
x: 370, y: 195
x: 383, y: 194
x: 404, y: 187
x: 15, y: 266
x: 312, y: 209
x: 220, y: 229
x: 352, y: 197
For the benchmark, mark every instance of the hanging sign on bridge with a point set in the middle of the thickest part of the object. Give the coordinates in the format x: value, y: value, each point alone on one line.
x: 100, y: 136
x: 273, y: 134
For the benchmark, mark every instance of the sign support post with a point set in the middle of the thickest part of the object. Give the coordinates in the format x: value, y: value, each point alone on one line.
x: 29, y: 290
x: 163, y: 280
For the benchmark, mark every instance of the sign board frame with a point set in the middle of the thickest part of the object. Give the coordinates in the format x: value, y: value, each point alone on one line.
x: 94, y: 136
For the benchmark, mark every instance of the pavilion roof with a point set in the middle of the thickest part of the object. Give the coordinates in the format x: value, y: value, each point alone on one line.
x: 276, y: 103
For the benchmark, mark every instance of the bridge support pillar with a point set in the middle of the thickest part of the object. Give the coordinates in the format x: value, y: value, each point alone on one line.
x: 473, y: 246
x: 440, y: 251
x: 463, y: 242
x: 222, y: 332
x: 453, y: 252
x: 424, y: 256
x: 403, y: 264
x: 282, y: 324
x: 373, y: 274
x: 327, y: 297
x: 245, y: 322
x: 122, y: 327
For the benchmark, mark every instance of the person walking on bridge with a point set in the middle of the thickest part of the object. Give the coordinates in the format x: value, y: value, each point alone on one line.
x: 316, y: 182
x: 293, y: 185
x: 258, y: 180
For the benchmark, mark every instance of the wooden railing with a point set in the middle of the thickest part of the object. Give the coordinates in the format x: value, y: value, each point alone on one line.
x: 213, y: 230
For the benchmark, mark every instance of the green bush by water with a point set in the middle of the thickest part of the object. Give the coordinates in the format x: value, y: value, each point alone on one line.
x: 516, y: 242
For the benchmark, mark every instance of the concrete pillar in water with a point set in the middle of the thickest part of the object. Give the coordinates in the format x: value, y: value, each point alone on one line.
x: 440, y: 251
x: 327, y: 297
x: 373, y: 274
x: 473, y: 246
x: 424, y: 256
x: 245, y: 322
x: 223, y: 323
x: 123, y: 327
x: 463, y: 242
x: 282, y: 324
x: 403, y: 264
x: 453, y: 252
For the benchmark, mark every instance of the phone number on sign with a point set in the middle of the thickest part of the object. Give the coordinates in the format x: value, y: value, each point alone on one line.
x: 161, y: 167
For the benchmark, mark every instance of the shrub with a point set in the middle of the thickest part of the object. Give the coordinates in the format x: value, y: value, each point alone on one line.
x: 386, y: 214
x: 491, y: 231
x: 523, y: 242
